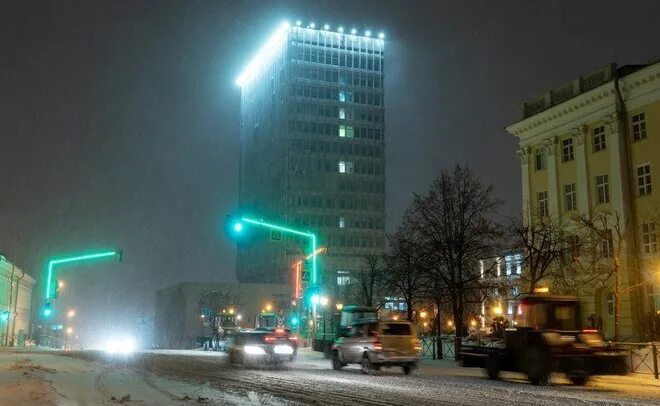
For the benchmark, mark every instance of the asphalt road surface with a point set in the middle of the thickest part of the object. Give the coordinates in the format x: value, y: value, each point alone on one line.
x: 193, y: 377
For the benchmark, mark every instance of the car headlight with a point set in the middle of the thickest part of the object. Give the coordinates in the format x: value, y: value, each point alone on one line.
x: 254, y: 350
x: 120, y: 346
x: 283, y: 349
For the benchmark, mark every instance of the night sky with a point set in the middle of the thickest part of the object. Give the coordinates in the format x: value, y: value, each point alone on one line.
x: 119, y: 121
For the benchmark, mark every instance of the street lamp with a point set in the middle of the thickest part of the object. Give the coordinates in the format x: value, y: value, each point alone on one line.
x: 324, y: 301
x: 71, y: 313
x: 423, y: 314
x: 339, y: 306
x: 269, y: 307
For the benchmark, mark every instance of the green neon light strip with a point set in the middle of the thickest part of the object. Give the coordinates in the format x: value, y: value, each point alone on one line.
x: 78, y: 258
x: 292, y: 231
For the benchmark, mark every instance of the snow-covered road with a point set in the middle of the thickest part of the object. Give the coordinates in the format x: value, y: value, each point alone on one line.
x: 186, y: 377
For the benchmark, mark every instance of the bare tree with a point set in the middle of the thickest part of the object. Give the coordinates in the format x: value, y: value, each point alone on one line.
x: 609, y: 234
x: 406, y: 274
x: 370, y: 280
x: 455, y: 225
x: 547, y: 248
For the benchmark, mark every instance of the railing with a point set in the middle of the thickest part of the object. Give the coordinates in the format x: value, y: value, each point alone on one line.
x: 430, y: 347
x: 642, y: 358
x: 55, y: 342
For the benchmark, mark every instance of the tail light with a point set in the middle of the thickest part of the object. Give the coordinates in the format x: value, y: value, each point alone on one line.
x: 294, y: 338
x: 417, y: 344
x: 378, y: 346
x: 279, y: 330
x: 589, y: 330
x: 270, y: 339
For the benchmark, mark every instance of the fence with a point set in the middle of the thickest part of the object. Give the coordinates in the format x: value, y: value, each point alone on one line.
x: 642, y: 358
x: 430, y: 347
x: 56, y: 342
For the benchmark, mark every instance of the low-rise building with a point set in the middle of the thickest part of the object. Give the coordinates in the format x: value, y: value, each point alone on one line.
x: 15, y: 303
x: 182, y: 311
x: 592, y: 148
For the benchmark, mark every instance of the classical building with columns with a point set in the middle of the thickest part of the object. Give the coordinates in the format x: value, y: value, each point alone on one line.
x: 593, y: 146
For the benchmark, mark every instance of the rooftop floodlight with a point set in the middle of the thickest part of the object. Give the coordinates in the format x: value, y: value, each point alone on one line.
x: 340, y: 29
x: 298, y: 23
x: 367, y: 33
x: 326, y: 27
x: 312, y: 25
x: 381, y: 35
x: 353, y: 31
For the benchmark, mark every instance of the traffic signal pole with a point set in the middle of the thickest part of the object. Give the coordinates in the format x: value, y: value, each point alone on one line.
x: 68, y: 260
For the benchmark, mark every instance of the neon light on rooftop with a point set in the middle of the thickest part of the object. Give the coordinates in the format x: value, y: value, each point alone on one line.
x: 263, y: 55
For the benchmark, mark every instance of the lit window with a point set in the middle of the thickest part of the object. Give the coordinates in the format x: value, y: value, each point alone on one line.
x: 343, y: 278
x: 602, y: 189
x: 543, y: 203
x: 567, y: 150
x: 349, y: 131
x: 342, y: 130
x: 509, y: 310
x: 342, y: 167
x: 599, y: 139
x: 638, y: 127
x: 570, y: 199
x: 342, y: 96
x: 342, y: 113
x: 540, y: 159
x: 342, y: 222
x: 648, y: 238
x: 644, y: 179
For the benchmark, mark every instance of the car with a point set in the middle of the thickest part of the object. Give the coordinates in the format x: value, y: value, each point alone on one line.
x: 262, y: 347
x: 376, y: 344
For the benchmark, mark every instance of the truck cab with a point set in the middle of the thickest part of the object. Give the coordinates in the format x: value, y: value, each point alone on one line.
x: 546, y: 337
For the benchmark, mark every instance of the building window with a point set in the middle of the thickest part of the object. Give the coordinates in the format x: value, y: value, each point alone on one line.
x: 570, y: 198
x: 648, y: 238
x: 342, y: 113
x: 342, y: 222
x: 606, y: 244
x: 543, y: 203
x: 602, y: 189
x: 573, y: 244
x: 342, y: 130
x: 599, y: 138
x: 540, y: 159
x: 342, y: 96
x: 567, y: 150
x: 343, y: 278
x: 345, y: 167
x: 610, y: 304
x: 638, y: 127
x: 349, y: 131
x: 644, y: 179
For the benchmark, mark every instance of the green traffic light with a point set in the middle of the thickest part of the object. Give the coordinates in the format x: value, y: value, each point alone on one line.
x: 4, y: 316
x: 48, y: 310
x: 238, y: 227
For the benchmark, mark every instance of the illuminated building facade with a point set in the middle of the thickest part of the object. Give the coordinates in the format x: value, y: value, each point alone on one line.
x: 590, y: 148
x: 313, y: 152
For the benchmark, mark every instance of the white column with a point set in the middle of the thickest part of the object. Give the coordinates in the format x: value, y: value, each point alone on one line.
x: 582, y: 184
x: 553, y: 196
x: 523, y: 154
x: 618, y: 171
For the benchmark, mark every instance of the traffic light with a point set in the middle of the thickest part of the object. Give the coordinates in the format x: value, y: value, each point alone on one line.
x: 48, y: 309
x: 4, y: 316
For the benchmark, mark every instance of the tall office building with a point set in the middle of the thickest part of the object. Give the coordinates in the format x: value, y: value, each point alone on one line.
x: 313, y: 152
